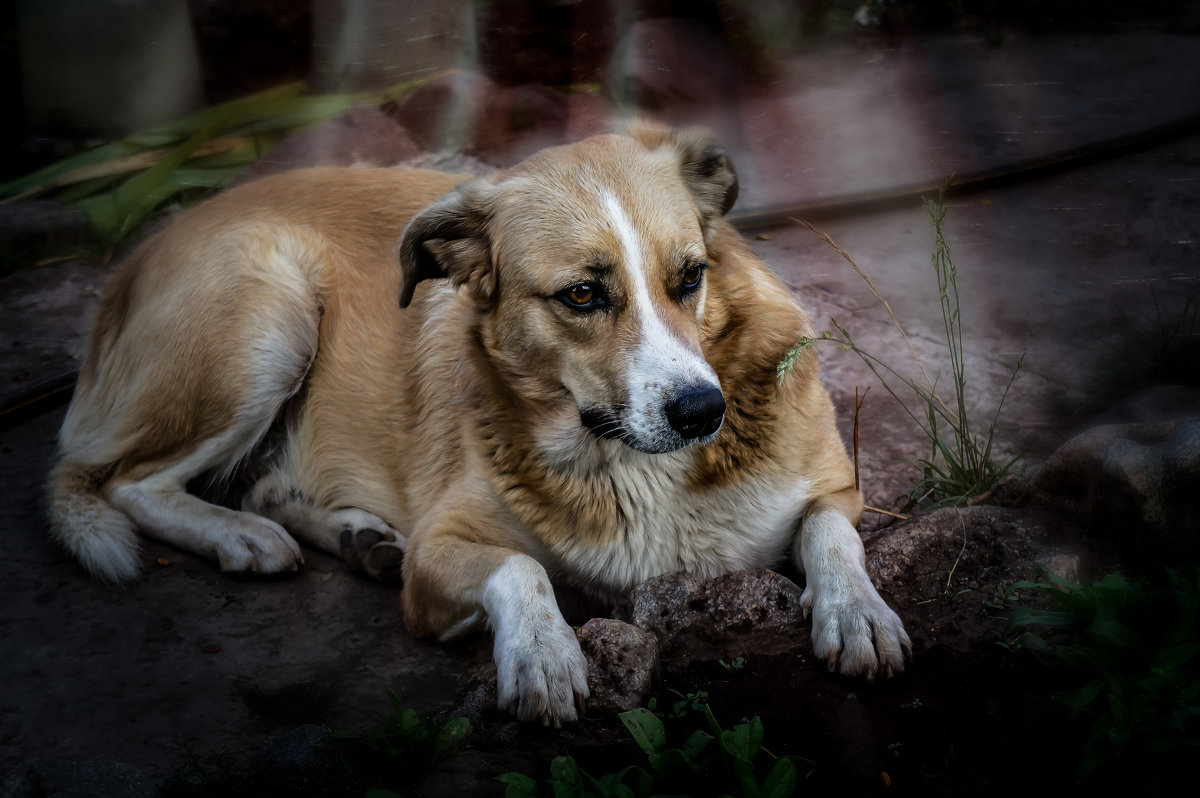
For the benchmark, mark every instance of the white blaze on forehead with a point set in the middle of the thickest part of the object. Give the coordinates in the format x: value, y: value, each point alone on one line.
x: 662, y: 365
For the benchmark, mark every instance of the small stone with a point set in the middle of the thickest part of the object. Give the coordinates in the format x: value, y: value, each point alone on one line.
x: 621, y: 663
x: 1064, y: 566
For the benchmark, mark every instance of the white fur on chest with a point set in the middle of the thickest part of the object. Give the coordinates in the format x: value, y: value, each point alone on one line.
x: 669, y: 526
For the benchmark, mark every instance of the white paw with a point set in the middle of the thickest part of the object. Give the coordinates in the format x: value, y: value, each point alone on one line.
x: 541, y: 673
x: 253, y: 544
x: 855, y: 631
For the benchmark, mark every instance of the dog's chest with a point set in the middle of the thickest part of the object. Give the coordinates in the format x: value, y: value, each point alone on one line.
x: 668, y: 525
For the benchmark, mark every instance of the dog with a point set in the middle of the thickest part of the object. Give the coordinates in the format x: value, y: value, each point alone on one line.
x: 562, y: 374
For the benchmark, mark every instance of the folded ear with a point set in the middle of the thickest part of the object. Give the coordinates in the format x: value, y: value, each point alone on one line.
x: 450, y: 239
x: 704, y: 165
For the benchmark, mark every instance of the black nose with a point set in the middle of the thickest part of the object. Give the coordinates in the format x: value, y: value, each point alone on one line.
x: 696, y: 412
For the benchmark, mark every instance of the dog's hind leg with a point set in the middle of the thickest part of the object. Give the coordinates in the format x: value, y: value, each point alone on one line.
x: 364, y: 540
x: 184, y: 385
x: 239, y: 541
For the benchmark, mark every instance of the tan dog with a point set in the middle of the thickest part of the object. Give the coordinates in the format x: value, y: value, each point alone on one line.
x: 590, y: 399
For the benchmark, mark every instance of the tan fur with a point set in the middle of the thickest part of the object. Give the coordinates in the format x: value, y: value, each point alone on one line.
x: 260, y: 335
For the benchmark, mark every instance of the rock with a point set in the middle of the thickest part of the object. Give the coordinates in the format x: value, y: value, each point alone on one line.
x: 1064, y: 566
x: 1140, y: 482
x: 56, y: 778
x: 1157, y: 403
x: 445, y: 113
x: 731, y: 615
x: 518, y: 122
x: 945, y: 550
x: 447, y: 162
x: 664, y: 64
x: 621, y: 662
x: 466, y: 112
x: 294, y: 754
x: 362, y: 136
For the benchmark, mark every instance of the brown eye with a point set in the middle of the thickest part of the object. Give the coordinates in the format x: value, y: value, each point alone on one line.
x: 580, y: 294
x: 692, y: 276
x: 583, y: 296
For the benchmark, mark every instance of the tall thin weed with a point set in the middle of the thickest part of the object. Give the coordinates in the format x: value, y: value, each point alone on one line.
x: 961, y: 467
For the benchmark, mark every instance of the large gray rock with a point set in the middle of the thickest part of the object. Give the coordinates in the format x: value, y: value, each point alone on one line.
x: 1139, y: 481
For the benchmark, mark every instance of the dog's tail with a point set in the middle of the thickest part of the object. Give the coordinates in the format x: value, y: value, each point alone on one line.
x: 98, y: 534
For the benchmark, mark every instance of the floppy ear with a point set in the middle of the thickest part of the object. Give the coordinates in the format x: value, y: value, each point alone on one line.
x: 449, y: 239
x: 704, y: 165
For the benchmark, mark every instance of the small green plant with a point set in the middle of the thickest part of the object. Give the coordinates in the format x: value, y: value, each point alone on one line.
x: 1126, y: 652
x: 694, y: 702
x: 401, y: 749
x: 961, y: 466
x: 689, y: 769
x: 735, y: 664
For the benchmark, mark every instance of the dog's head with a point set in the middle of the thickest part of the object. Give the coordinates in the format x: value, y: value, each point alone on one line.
x: 589, y: 266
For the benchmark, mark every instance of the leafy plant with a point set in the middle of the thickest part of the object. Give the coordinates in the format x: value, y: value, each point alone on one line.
x: 118, y: 185
x: 401, y: 749
x: 672, y: 770
x: 961, y: 466
x: 1128, y: 653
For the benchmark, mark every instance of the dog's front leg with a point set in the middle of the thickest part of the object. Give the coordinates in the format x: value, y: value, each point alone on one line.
x: 452, y: 583
x: 853, y: 629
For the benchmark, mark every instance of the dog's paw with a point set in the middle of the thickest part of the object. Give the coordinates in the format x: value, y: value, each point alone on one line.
x: 375, y: 549
x: 856, y: 632
x: 253, y: 544
x: 541, y: 673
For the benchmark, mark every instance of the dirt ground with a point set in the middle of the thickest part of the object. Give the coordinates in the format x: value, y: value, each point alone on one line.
x: 187, y: 674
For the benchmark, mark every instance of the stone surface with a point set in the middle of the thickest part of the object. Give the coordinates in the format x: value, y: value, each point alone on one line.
x: 944, y: 551
x: 1139, y: 481
x: 621, y: 662
x: 294, y: 753
x: 56, y: 778
x: 726, y: 616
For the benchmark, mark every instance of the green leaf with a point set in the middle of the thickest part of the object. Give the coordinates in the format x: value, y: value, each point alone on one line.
x: 1174, y: 658
x: 673, y: 766
x: 781, y: 781
x: 743, y: 741
x: 1085, y: 695
x: 695, y: 745
x: 518, y: 785
x: 451, y: 735
x: 564, y: 776
x: 646, y: 728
